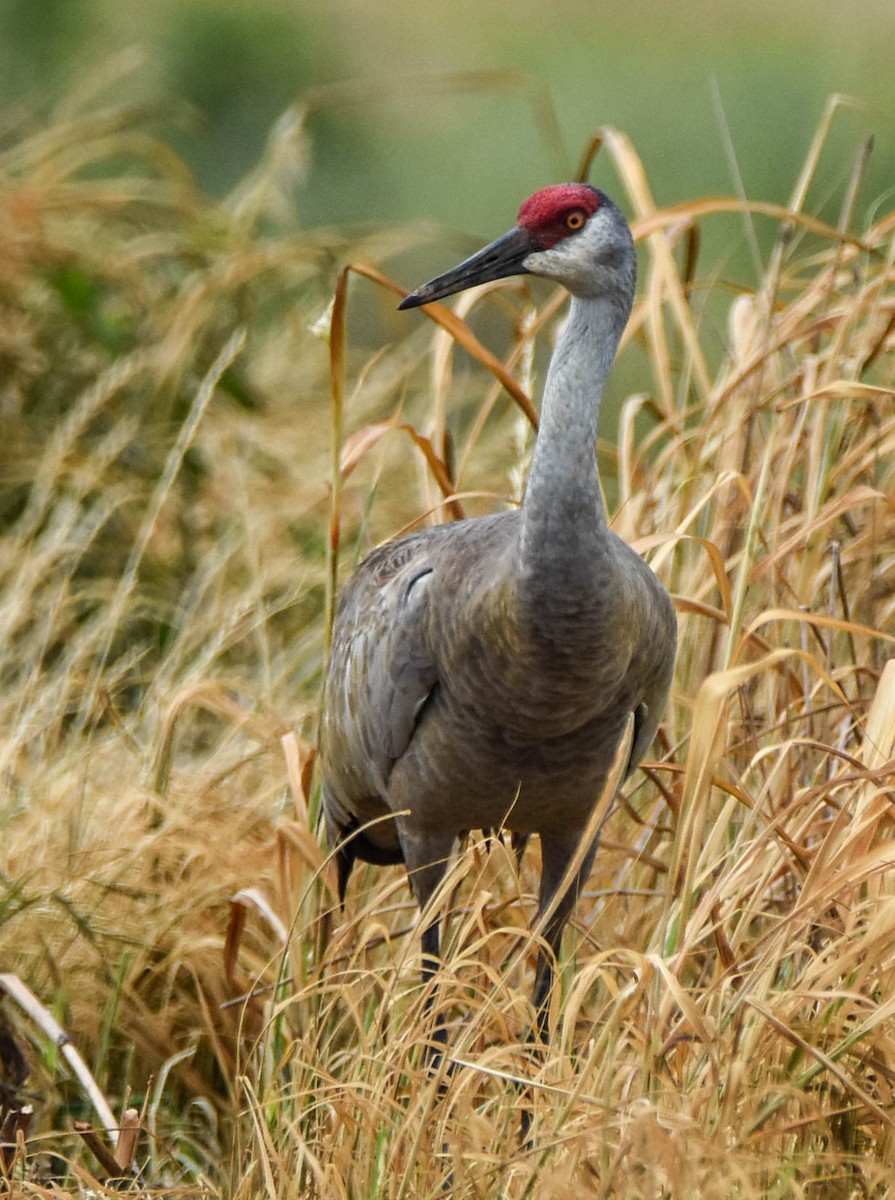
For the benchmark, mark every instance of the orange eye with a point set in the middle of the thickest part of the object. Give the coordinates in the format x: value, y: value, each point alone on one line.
x: 575, y: 219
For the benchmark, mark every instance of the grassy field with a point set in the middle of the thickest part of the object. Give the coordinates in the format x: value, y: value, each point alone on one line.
x: 189, y: 461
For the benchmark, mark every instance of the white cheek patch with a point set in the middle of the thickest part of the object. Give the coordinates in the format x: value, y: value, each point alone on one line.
x: 543, y: 262
x: 555, y: 263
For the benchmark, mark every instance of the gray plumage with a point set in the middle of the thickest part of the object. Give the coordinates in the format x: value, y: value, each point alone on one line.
x: 483, y: 672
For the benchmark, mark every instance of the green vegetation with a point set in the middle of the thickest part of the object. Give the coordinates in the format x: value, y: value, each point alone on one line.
x: 166, y: 547
x: 412, y: 133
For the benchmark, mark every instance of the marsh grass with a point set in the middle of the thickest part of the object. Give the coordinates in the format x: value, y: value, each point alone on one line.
x: 173, y: 373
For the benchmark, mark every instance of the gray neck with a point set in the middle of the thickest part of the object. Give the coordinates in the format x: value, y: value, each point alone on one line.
x: 564, y: 534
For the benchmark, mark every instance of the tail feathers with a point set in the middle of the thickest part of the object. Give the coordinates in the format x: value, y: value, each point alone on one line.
x: 518, y: 841
x: 353, y: 845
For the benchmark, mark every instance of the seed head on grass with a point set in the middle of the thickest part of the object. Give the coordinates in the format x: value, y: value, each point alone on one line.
x: 725, y: 1020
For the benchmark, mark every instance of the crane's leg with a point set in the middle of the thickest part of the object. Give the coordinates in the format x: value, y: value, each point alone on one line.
x: 426, y: 860
x: 556, y: 854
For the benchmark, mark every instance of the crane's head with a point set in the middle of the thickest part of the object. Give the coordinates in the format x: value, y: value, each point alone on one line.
x: 570, y: 232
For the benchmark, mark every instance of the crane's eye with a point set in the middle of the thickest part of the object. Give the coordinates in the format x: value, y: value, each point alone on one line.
x: 575, y: 219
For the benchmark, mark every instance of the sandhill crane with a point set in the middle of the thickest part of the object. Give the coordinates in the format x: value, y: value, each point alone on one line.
x: 483, y: 672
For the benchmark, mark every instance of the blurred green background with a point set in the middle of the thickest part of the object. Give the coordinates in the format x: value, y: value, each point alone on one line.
x: 404, y: 140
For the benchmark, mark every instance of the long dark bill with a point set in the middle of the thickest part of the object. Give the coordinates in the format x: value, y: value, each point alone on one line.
x: 496, y: 261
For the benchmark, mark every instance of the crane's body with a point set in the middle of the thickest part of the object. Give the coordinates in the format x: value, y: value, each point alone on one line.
x: 483, y: 672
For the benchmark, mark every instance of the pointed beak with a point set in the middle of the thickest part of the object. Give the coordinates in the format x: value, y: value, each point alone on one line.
x: 496, y: 261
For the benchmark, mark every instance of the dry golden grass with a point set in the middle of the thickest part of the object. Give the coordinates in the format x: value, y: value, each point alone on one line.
x: 170, y: 535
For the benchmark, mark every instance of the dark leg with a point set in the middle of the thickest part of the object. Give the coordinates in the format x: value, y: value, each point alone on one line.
x: 556, y: 855
x: 434, y: 1047
x: 427, y: 862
